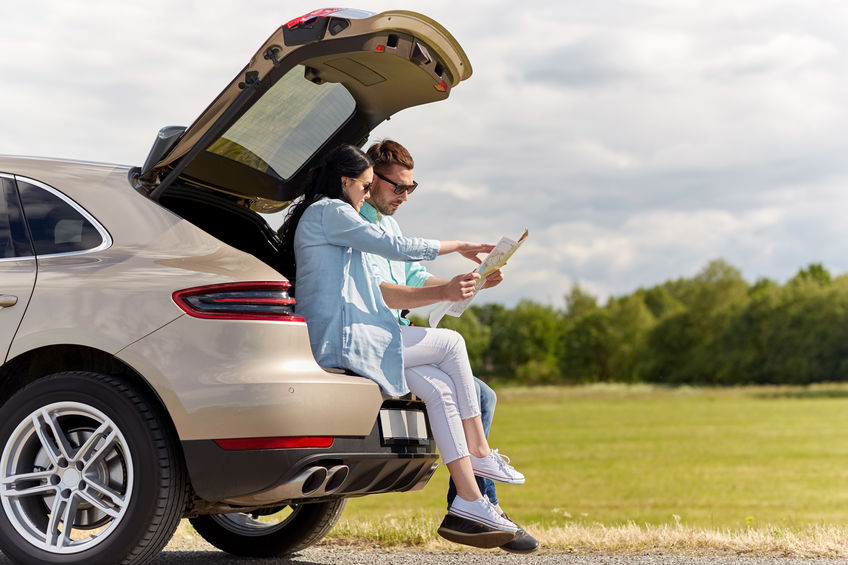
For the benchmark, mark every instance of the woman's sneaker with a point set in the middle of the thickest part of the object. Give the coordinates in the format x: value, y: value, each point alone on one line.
x: 483, y: 512
x: 496, y: 467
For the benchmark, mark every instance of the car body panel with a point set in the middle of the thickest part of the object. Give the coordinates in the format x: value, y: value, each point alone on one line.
x: 238, y: 379
x: 17, y: 278
x: 18, y: 270
x: 154, y: 253
x: 230, y: 378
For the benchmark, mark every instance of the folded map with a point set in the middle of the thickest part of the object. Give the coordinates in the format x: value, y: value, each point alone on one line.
x: 494, y: 261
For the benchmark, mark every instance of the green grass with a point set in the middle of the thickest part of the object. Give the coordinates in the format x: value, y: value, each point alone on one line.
x: 617, y: 455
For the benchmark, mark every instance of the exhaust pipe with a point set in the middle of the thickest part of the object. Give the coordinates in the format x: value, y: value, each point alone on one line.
x: 310, y: 480
x: 336, y: 476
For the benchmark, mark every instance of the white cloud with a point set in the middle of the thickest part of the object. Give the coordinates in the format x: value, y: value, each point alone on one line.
x: 600, y: 155
x: 783, y: 53
x: 460, y: 190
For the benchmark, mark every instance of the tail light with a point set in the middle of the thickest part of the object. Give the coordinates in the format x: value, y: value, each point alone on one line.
x: 322, y: 13
x: 266, y: 300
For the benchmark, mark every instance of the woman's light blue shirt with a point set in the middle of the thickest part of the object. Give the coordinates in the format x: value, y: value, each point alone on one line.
x: 349, y: 324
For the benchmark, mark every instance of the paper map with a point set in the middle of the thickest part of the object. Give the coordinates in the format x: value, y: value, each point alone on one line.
x: 494, y: 261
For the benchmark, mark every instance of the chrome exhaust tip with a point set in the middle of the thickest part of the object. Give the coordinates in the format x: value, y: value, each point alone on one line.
x: 311, y: 480
x: 336, y: 477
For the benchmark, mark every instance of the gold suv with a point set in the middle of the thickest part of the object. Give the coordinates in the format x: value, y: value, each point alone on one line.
x: 153, y: 365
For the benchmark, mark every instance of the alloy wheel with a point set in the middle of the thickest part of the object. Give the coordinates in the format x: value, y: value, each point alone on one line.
x: 66, y: 477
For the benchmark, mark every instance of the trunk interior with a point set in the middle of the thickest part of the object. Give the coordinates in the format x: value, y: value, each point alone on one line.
x: 226, y: 218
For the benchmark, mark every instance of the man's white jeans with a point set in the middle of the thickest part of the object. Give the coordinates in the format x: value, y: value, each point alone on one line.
x: 438, y: 372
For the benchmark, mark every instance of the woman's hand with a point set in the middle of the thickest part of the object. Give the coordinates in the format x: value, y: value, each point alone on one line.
x: 470, y: 250
x: 465, y: 248
x: 460, y: 287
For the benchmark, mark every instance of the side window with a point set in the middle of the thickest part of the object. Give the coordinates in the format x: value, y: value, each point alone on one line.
x: 14, y: 241
x: 56, y: 226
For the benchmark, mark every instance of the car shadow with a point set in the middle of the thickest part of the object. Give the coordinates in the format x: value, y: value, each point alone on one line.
x: 181, y: 557
x: 198, y: 557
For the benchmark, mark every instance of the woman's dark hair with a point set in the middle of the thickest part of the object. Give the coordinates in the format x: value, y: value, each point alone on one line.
x: 343, y: 161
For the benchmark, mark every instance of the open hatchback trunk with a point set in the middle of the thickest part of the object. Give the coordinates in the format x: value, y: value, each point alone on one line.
x: 320, y: 80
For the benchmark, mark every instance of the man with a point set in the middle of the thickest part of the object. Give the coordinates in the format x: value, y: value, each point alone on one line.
x: 392, y: 184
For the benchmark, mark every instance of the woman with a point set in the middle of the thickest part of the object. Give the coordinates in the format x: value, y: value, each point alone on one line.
x: 351, y: 327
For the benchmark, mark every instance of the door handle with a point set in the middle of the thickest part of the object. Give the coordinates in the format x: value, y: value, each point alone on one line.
x: 7, y: 300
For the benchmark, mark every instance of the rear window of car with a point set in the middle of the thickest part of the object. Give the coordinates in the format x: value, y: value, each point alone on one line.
x: 56, y: 225
x: 279, y: 133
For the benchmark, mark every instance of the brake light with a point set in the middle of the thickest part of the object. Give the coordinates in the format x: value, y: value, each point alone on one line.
x: 311, y: 15
x: 300, y: 442
x: 263, y: 300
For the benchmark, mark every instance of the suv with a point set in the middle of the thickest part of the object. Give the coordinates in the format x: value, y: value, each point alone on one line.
x: 153, y: 364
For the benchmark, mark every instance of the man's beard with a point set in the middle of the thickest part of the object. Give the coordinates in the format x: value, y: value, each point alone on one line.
x: 386, y: 210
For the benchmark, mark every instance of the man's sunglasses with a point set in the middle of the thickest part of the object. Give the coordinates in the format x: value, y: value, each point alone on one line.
x: 399, y: 188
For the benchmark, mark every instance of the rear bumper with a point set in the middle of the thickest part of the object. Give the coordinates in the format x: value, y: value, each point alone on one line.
x: 352, y: 466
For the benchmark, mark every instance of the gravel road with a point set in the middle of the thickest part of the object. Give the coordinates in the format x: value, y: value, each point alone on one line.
x: 334, y: 556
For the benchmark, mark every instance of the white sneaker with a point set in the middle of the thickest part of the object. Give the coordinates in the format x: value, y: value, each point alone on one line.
x: 496, y: 467
x: 481, y: 511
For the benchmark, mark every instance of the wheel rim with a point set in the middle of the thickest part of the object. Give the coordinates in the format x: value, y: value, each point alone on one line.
x: 66, y: 477
x: 257, y: 524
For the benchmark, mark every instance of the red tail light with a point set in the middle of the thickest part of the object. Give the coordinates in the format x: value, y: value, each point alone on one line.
x: 322, y: 13
x: 299, y: 442
x: 266, y: 300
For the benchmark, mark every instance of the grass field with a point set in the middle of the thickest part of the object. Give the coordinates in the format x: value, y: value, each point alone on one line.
x: 612, y: 455
x: 640, y: 469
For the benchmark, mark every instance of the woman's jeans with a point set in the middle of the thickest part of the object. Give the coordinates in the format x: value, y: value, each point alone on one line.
x: 437, y: 371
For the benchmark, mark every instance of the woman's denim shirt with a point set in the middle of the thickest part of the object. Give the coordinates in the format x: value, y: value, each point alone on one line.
x: 350, y: 326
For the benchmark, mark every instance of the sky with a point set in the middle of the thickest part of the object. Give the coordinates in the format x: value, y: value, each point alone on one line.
x: 635, y: 139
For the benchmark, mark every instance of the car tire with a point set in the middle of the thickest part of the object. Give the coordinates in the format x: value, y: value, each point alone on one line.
x: 93, y: 447
x: 289, y: 529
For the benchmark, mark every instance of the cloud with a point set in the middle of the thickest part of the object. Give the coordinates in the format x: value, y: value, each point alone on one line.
x: 460, y: 190
x: 587, y: 150
x: 783, y: 54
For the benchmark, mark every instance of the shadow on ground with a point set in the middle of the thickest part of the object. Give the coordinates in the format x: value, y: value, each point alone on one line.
x: 213, y: 557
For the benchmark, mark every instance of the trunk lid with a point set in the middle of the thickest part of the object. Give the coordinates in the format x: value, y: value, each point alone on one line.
x: 322, y: 79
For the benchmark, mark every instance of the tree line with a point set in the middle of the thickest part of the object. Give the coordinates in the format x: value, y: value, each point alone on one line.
x: 712, y: 329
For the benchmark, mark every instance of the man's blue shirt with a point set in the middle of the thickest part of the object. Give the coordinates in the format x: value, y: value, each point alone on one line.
x: 403, y: 273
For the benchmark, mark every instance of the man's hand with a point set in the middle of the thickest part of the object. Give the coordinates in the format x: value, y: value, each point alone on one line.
x: 470, y: 250
x: 460, y: 287
x: 494, y: 279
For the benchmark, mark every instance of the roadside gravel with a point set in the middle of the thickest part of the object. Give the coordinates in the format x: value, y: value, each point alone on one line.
x: 334, y: 556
